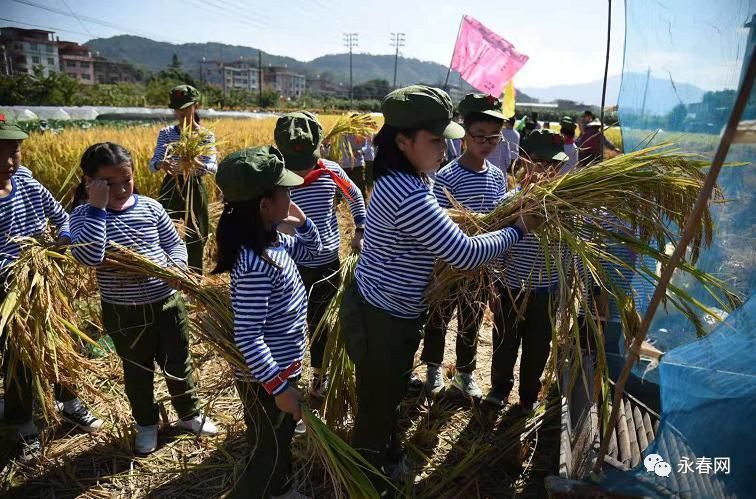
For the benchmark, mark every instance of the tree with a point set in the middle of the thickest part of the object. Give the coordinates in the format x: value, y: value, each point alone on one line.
x: 372, y: 89
x: 676, y: 117
x: 175, y: 62
x: 269, y: 98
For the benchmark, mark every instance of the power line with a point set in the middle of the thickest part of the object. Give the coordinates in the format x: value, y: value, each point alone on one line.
x: 78, y: 19
x: 93, y: 20
x: 43, y: 27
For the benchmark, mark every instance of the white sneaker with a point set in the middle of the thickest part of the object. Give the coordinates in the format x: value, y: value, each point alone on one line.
x: 465, y: 383
x: 291, y: 494
x: 146, y: 439
x: 201, y: 425
x: 75, y: 412
x: 301, y: 427
x: 434, y: 381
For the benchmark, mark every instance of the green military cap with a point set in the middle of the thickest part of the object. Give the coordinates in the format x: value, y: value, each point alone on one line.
x: 10, y: 131
x: 423, y: 107
x: 249, y: 173
x: 567, y: 123
x: 183, y: 96
x: 298, y: 136
x: 544, y: 145
x: 481, y: 103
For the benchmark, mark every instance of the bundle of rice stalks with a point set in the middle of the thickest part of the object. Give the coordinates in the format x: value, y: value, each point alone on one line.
x: 348, y: 471
x: 359, y: 125
x: 215, y: 324
x: 40, y: 326
x: 192, y: 144
x: 339, y: 368
x: 652, y: 191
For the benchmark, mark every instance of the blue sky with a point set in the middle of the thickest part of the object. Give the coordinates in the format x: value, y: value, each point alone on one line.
x: 564, y: 39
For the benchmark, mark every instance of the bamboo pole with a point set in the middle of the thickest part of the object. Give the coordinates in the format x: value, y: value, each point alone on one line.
x: 667, y: 270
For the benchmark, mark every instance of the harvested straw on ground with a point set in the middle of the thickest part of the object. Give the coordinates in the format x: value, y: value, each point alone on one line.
x: 40, y: 325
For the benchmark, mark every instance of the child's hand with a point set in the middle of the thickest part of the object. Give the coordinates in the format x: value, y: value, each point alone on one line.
x: 98, y: 193
x: 296, y: 217
x: 170, y: 167
x: 530, y: 222
x: 357, y: 240
x: 289, y: 401
x: 62, y: 244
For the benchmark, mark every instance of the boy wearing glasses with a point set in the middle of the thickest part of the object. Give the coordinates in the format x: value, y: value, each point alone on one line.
x: 479, y: 186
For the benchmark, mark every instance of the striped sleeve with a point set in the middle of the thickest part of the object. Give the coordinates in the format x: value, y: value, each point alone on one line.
x: 159, y: 154
x: 170, y: 241
x: 357, y: 204
x: 55, y: 212
x: 439, y: 184
x: 251, y: 302
x: 210, y: 161
x: 422, y: 217
x: 89, y: 235
x: 305, y: 244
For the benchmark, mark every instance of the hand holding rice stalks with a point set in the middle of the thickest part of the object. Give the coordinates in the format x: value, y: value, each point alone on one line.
x: 193, y: 143
x: 653, y: 191
x: 40, y: 326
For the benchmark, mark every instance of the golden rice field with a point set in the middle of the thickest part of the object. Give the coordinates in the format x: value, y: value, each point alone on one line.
x: 55, y: 157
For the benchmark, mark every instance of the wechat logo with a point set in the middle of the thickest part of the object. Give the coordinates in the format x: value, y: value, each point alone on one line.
x: 654, y: 463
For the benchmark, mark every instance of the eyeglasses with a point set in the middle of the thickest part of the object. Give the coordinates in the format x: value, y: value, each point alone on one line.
x: 491, y: 139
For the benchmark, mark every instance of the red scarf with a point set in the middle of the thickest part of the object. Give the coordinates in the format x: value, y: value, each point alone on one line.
x: 320, y: 170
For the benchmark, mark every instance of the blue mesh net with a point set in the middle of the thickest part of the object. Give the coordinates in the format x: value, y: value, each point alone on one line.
x: 683, y: 63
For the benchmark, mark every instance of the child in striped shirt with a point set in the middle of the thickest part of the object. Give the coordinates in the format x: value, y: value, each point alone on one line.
x: 26, y: 208
x: 177, y: 193
x: 144, y: 316
x: 525, y: 308
x: 479, y: 186
x: 383, y: 312
x: 270, y: 307
x: 298, y: 136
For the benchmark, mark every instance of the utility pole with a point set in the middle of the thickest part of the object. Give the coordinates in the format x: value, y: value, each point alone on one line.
x: 397, y: 41
x: 350, y: 41
x: 645, y: 93
x: 259, y: 77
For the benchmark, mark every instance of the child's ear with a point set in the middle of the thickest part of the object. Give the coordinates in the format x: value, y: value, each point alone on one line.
x: 402, y: 141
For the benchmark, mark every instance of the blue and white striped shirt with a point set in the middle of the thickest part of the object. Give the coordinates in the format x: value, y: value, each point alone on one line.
x: 172, y: 134
x: 477, y: 191
x: 270, y: 305
x: 316, y: 201
x: 144, y: 227
x: 527, y: 266
x: 25, y: 213
x: 23, y: 171
x: 406, y: 231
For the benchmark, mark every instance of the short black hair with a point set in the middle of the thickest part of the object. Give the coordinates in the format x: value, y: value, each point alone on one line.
x: 588, y: 112
x: 470, y: 119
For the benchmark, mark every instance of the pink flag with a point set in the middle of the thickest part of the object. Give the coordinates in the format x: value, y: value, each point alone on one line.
x: 484, y: 59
